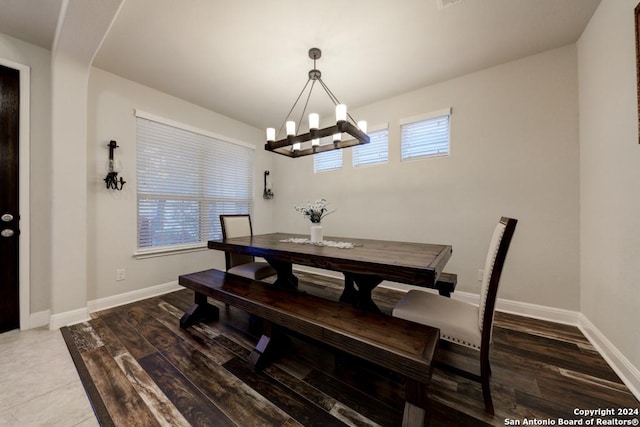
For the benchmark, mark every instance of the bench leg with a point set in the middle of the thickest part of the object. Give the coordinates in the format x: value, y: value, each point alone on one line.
x: 416, y: 406
x: 270, y: 342
x: 201, y: 310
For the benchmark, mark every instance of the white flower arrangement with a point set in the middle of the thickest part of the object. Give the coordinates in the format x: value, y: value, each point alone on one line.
x: 314, y: 211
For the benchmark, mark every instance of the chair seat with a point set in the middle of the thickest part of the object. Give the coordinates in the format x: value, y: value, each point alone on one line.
x: 253, y: 270
x: 457, y: 320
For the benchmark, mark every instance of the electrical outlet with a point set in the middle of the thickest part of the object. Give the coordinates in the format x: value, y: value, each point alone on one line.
x: 120, y: 274
x: 480, y: 275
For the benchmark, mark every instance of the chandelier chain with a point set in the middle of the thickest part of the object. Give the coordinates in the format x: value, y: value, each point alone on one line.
x: 294, y: 106
x: 334, y: 98
x: 328, y: 91
x: 307, y: 102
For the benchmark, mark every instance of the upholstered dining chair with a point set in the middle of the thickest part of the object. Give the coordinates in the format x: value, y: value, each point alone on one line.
x: 239, y: 264
x: 460, y: 322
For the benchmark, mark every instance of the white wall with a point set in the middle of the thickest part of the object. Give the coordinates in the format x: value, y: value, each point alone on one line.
x: 610, y: 176
x: 39, y: 60
x: 514, y: 152
x: 68, y: 186
x: 71, y: 60
x: 112, y: 214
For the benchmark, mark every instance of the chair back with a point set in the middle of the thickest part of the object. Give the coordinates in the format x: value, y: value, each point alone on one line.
x: 237, y: 225
x: 496, y: 257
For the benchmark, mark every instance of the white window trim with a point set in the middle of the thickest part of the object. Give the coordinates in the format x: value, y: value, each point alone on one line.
x: 378, y: 127
x: 194, y: 129
x: 426, y: 116
x: 169, y: 250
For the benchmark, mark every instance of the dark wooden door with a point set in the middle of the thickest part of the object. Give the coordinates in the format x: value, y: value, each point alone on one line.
x: 9, y: 143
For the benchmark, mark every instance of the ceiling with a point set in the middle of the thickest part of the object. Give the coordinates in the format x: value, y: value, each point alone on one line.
x: 248, y: 59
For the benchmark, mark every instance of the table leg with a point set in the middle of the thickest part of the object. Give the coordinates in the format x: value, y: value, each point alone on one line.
x: 350, y: 293
x: 286, y: 279
x: 361, y: 297
x: 201, y: 310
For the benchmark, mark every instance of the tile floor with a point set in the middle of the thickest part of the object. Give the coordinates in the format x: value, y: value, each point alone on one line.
x: 39, y: 385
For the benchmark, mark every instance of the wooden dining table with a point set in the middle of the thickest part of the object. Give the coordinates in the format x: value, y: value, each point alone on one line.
x: 365, y: 263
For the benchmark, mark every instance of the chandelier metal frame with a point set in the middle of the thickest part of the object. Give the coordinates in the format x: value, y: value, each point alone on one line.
x: 291, y: 146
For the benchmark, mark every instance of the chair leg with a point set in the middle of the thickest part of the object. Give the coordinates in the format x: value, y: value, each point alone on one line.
x: 485, y: 374
x: 486, y: 394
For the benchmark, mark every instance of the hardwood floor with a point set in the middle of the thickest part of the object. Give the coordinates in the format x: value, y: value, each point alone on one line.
x: 140, y: 368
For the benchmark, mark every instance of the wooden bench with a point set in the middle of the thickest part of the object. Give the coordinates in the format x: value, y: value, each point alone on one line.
x: 401, y: 346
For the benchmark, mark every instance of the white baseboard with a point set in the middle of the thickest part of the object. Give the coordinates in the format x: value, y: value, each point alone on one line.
x: 37, y: 320
x: 628, y: 373
x: 535, y: 311
x: 129, y: 297
x: 57, y: 321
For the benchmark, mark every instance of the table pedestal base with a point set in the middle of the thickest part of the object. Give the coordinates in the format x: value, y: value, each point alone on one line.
x: 357, y: 287
x: 286, y: 280
x: 360, y: 297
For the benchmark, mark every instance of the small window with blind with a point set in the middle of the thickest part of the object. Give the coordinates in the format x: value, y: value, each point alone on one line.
x: 186, y: 178
x: 327, y: 160
x: 376, y: 151
x: 426, y: 135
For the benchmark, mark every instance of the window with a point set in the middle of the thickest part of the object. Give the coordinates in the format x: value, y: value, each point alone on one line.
x: 426, y: 135
x: 376, y: 151
x: 186, y: 179
x: 327, y: 160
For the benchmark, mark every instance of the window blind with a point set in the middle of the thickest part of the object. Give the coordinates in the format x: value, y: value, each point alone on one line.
x: 376, y: 151
x: 425, y: 137
x: 185, y: 181
x: 327, y: 160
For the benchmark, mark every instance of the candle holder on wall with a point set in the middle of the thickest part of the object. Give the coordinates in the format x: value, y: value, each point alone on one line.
x: 113, y: 167
x: 267, y: 193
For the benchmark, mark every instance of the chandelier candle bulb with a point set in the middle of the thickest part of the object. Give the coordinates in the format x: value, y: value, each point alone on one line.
x: 315, y: 142
x: 314, y: 121
x: 341, y: 113
x: 337, y: 137
x: 362, y: 125
x: 291, y: 128
x: 296, y: 146
x: 271, y: 134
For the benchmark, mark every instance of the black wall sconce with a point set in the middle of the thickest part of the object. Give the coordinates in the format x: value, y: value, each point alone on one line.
x: 113, y: 167
x: 267, y: 193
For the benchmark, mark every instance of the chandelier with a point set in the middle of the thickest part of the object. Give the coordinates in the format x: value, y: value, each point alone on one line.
x: 294, y: 145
